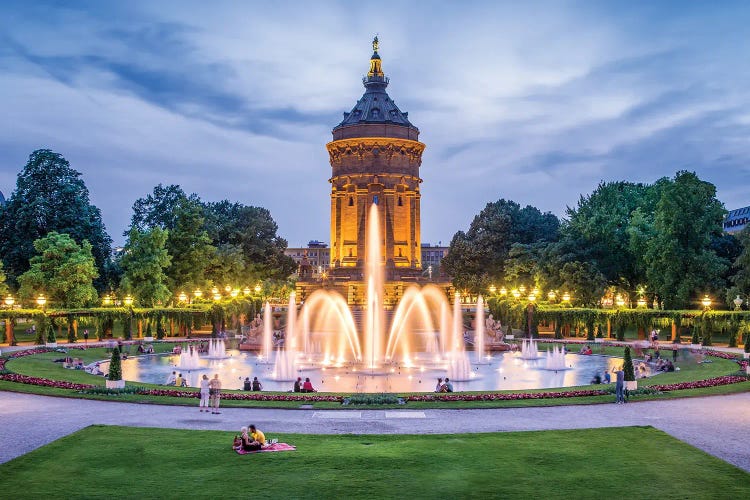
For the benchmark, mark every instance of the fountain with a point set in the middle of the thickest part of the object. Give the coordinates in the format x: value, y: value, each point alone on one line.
x: 285, y: 365
x: 216, y: 349
x: 267, y: 345
x: 479, y: 332
x: 555, y: 359
x: 529, y: 349
x: 189, y: 359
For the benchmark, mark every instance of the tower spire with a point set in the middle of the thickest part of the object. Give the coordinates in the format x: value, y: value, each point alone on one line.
x: 375, y: 68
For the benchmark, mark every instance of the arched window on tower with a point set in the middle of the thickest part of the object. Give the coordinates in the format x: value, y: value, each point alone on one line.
x: 400, y: 202
x: 375, y: 199
x: 351, y: 201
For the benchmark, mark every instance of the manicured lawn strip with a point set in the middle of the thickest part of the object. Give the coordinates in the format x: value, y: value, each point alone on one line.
x: 643, y: 462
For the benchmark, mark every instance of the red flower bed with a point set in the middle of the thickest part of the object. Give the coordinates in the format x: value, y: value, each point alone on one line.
x: 239, y: 396
x: 59, y: 384
x: 698, y: 384
x: 505, y: 396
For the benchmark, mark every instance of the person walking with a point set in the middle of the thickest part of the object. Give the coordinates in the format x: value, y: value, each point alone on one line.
x: 214, y: 391
x: 620, y: 386
x: 204, y: 393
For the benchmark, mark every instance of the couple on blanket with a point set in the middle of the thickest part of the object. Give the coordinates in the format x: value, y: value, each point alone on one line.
x: 253, y: 441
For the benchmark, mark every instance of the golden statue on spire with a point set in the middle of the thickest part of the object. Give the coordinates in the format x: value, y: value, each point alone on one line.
x: 375, y: 67
x: 375, y: 43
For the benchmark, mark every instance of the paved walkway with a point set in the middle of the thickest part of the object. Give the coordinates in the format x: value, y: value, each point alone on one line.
x: 717, y: 425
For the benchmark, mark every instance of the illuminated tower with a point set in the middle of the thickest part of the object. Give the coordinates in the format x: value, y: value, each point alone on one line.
x: 375, y: 157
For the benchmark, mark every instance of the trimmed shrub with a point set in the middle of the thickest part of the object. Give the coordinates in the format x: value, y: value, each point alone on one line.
x: 628, y: 366
x: 115, y: 365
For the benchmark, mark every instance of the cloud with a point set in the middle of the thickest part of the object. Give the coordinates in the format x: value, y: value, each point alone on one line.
x: 536, y: 103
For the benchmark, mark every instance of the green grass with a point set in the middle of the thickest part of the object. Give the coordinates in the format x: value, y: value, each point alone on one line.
x: 631, y: 462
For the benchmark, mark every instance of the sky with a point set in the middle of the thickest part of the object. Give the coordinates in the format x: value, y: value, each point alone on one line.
x: 536, y: 102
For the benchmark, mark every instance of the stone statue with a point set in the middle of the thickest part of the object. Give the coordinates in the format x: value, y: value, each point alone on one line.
x: 493, y: 329
x: 256, y: 328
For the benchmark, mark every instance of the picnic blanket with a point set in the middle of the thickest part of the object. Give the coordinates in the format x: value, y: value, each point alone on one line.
x: 273, y: 447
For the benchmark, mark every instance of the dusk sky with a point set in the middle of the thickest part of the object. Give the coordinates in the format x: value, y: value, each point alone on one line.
x: 531, y: 101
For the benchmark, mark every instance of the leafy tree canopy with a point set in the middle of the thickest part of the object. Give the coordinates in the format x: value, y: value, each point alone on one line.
x: 144, y: 261
x: 49, y: 196
x: 63, y: 270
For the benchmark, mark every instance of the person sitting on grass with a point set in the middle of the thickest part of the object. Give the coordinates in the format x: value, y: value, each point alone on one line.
x: 298, y: 385
x: 248, y: 443
x: 257, y: 386
x: 257, y: 435
x: 447, y: 386
x: 307, y: 386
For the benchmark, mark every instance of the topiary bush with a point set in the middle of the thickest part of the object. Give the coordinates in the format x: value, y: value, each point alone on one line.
x: 148, y: 329
x: 628, y: 366
x: 51, y: 338
x: 115, y: 365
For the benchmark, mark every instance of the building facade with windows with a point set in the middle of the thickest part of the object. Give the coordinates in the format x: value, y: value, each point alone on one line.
x: 736, y: 220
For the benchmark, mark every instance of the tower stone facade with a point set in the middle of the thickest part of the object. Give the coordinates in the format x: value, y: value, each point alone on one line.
x: 375, y: 157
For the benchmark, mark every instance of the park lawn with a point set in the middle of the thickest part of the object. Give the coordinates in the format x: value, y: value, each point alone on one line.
x: 634, y: 462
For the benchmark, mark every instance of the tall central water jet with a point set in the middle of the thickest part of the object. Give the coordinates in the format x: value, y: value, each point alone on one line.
x: 374, y: 276
x: 479, y: 331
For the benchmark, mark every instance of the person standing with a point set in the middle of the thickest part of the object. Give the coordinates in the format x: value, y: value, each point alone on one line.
x: 620, y: 386
x: 214, y: 390
x: 204, y: 393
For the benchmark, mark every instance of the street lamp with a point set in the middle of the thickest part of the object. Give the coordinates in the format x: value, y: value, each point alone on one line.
x: 493, y: 289
x: 532, y: 298
x: 522, y: 289
x: 217, y: 296
x: 503, y: 291
x: 234, y: 293
x: 182, y: 297
x: 619, y: 300
x: 198, y: 293
x: 641, y: 302
x: 258, y: 288
x: 41, y: 300
x: 9, y: 301
x: 737, y: 303
x: 107, y: 300
x: 228, y: 288
x: 128, y: 300
x: 566, y: 297
x: 214, y: 291
x: 515, y: 293
x: 706, y: 301
x: 246, y: 291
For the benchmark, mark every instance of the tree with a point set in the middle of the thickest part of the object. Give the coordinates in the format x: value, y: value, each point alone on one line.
x: 62, y: 269
x: 3, y: 285
x: 49, y: 196
x: 484, y: 249
x: 189, y: 247
x: 741, y: 266
x: 585, y: 282
x: 144, y: 261
x: 253, y: 230
x: 160, y: 208
x: 679, y: 258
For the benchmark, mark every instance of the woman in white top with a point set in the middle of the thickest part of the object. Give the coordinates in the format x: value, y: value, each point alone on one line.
x: 204, y: 393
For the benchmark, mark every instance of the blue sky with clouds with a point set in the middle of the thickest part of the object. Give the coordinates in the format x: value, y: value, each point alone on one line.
x: 532, y: 101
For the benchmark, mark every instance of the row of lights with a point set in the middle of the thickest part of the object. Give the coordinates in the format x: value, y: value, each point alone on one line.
x: 216, y: 295
x: 518, y: 292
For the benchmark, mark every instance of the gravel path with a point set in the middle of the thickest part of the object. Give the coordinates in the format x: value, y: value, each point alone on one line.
x: 717, y: 424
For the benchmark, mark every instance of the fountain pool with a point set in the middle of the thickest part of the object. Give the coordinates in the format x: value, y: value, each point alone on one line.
x: 501, y: 371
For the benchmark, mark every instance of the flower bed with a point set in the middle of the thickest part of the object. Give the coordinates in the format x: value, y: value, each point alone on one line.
x: 45, y: 382
x: 498, y: 396
x: 699, y: 384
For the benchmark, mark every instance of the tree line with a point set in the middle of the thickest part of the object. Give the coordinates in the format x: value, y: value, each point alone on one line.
x: 53, y: 241
x: 663, y: 242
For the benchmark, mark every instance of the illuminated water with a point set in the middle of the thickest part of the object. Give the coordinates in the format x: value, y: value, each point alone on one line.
x: 502, y: 371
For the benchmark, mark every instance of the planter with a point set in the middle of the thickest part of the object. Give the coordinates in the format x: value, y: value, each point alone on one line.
x: 148, y: 339
x: 631, y: 385
x: 598, y: 339
x: 115, y: 384
x: 51, y: 344
x: 746, y: 355
x: 695, y: 346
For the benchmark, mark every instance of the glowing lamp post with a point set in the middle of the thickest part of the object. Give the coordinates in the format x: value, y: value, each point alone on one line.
x: 246, y: 291
x: 198, y: 293
x: 258, y: 288
x: 522, y: 289
x: 503, y: 291
x: 551, y: 296
x: 641, y: 302
x: 706, y: 302
x: 128, y: 301
x: 9, y: 336
x: 41, y: 301
x: 515, y: 293
x: 9, y: 301
x: 619, y: 301
x: 234, y: 293
x: 107, y: 300
x: 214, y: 291
x: 182, y: 297
x: 493, y: 289
x: 228, y: 288
x: 566, y: 297
x: 217, y: 296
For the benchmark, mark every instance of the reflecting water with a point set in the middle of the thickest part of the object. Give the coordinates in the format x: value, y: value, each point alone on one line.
x: 502, y: 371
